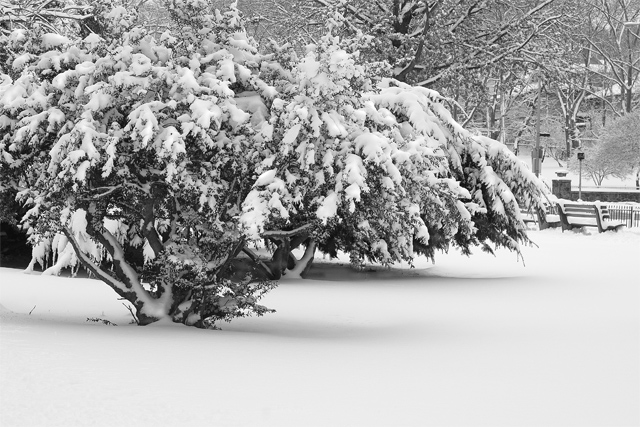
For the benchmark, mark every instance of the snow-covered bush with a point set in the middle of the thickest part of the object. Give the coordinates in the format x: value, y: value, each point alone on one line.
x: 134, y: 156
x: 615, y: 153
x: 380, y: 167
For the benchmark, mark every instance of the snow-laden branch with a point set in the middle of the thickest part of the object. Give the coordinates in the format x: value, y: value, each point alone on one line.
x: 352, y: 9
x: 18, y: 13
x: 402, y: 75
x: 288, y: 233
x: 472, y: 9
x: 120, y: 287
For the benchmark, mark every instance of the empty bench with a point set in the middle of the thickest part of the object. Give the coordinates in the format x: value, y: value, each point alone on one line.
x: 573, y: 215
x: 546, y: 219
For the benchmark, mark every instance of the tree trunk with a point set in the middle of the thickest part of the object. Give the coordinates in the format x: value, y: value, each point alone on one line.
x: 569, y: 134
x: 629, y: 88
x: 303, y: 264
x: 126, y: 283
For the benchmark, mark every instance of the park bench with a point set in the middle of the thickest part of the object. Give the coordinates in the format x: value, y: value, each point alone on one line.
x: 574, y: 214
x: 546, y: 219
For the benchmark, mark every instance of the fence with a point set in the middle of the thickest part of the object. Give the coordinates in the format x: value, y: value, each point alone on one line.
x: 627, y: 213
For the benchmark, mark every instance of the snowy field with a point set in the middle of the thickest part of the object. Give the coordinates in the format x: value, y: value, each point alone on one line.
x: 468, y: 342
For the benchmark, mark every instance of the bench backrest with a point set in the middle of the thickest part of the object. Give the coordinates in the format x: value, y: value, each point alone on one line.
x: 580, y: 210
x: 604, y: 211
x: 582, y: 214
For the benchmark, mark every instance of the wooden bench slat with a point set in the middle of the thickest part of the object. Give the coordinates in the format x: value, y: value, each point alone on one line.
x: 578, y: 211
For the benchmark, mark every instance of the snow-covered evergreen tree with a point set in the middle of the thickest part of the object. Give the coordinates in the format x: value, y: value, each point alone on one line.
x: 134, y: 155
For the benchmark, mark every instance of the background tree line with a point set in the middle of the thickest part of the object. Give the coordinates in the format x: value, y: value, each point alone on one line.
x: 489, y: 58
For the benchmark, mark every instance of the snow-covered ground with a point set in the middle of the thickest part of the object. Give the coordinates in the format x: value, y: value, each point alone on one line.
x: 468, y: 342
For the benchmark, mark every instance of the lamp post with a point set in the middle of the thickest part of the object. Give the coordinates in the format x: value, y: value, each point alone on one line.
x: 580, y: 159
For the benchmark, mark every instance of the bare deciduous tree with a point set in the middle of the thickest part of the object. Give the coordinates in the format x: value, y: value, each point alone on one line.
x: 614, y: 40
